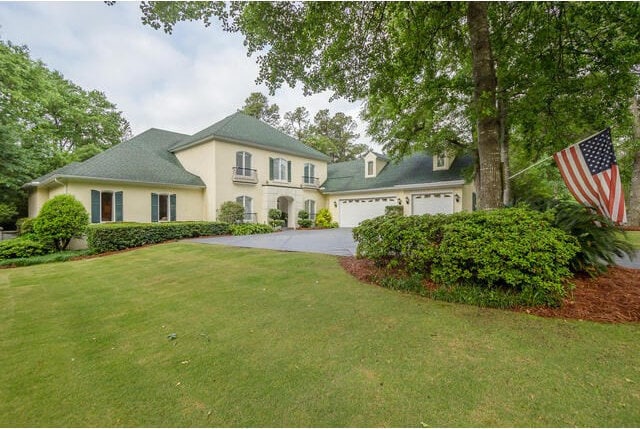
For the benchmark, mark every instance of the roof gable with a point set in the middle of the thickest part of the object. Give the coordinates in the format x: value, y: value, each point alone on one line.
x: 415, y: 169
x: 244, y: 129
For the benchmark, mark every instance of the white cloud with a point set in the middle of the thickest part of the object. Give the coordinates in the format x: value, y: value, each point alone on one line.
x: 181, y: 82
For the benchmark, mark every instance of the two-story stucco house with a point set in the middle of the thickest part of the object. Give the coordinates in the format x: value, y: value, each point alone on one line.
x: 165, y: 176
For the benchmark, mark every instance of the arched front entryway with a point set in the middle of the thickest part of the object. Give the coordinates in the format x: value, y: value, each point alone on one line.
x: 285, y: 205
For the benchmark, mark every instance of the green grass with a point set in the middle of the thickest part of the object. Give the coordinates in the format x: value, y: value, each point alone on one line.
x: 288, y: 339
x: 634, y: 238
x: 44, y: 259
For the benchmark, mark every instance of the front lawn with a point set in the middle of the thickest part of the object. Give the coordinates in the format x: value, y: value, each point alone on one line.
x: 266, y: 338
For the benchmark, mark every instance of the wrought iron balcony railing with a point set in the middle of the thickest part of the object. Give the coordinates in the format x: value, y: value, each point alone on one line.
x: 245, y: 175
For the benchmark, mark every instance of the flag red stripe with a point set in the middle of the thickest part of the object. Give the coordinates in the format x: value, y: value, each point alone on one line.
x: 573, y: 183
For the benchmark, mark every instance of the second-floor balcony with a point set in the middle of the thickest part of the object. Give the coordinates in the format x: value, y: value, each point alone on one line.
x: 245, y: 175
x: 310, y: 182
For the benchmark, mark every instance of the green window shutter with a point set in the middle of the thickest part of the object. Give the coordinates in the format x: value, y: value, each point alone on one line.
x: 473, y: 202
x: 172, y: 204
x: 270, y: 168
x: 289, y: 171
x: 95, y: 206
x: 154, y: 207
x: 118, y: 197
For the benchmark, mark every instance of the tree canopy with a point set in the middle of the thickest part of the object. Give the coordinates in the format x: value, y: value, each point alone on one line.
x: 447, y: 76
x: 47, y: 122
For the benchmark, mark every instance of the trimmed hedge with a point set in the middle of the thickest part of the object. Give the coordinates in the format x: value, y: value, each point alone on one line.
x: 118, y: 236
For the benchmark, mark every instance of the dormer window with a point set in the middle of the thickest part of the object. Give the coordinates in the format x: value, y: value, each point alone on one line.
x: 442, y: 162
x: 370, y: 168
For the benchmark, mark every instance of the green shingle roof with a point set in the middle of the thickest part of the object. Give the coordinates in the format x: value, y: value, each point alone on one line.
x: 415, y: 169
x: 145, y: 159
x: 242, y: 128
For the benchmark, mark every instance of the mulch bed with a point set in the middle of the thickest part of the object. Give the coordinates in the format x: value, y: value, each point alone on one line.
x: 613, y: 297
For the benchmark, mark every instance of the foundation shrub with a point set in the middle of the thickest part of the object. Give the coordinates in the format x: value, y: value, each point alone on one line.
x: 61, y: 219
x: 118, y: 236
x: 22, y: 247
x: 250, y: 228
x: 324, y: 219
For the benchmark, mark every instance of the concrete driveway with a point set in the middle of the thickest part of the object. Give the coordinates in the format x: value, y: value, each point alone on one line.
x: 335, y: 241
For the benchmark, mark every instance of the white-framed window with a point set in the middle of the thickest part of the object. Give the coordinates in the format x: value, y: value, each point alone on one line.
x: 310, y: 207
x: 247, y: 203
x: 280, y: 171
x: 370, y: 168
x: 440, y: 161
x: 243, y: 163
x: 309, y: 173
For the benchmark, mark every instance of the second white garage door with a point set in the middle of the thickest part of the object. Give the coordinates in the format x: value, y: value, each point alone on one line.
x: 355, y: 210
x: 433, y: 203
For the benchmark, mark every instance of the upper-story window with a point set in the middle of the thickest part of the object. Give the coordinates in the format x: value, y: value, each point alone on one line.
x: 280, y: 170
x: 309, y: 174
x: 440, y: 161
x: 243, y: 164
x: 370, y: 168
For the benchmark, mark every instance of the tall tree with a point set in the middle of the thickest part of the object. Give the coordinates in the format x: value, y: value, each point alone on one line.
x: 334, y: 136
x: 257, y: 105
x: 425, y: 68
x: 296, y: 123
x: 47, y: 122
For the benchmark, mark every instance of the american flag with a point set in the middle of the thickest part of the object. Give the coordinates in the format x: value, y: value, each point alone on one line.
x: 590, y: 170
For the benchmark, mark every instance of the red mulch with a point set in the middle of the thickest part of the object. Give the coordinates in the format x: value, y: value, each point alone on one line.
x: 613, y: 297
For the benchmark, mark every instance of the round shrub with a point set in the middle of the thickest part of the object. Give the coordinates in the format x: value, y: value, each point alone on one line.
x: 514, y: 249
x: 60, y: 219
x: 25, y: 225
x: 231, y: 212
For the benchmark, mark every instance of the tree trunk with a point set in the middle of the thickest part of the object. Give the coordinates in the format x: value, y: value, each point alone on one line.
x: 504, y: 152
x: 484, y: 95
x: 633, y: 211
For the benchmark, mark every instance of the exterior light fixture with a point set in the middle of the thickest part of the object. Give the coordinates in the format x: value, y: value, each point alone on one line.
x: 399, y: 202
x: 335, y: 204
x: 457, y: 198
x: 406, y: 200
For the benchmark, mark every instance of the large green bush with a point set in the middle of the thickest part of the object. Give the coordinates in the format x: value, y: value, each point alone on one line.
x: 61, y: 219
x: 231, y: 212
x: 25, y: 225
x: 22, y: 247
x: 498, y: 258
x: 515, y: 248
x: 117, y: 236
x: 599, y: 238
x: 408, y: 242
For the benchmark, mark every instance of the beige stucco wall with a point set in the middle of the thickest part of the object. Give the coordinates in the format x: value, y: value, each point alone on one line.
x: 136, y: 205
x: 213, y: 161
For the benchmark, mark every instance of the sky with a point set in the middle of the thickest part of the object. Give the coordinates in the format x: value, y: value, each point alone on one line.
x: 182, y: 82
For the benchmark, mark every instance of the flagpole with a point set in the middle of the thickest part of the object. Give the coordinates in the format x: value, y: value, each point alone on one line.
x: 531, y: 166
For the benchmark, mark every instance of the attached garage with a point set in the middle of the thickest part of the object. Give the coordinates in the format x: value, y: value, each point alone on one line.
x: 432, y: 203
x: 352, y: 211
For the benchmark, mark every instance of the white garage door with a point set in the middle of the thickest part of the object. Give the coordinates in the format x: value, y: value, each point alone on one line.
x: 432, y: 203
x: 355, y: 210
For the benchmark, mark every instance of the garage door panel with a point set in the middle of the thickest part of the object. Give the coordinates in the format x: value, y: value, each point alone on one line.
x: 355, y: 210
x: 433, y: 203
